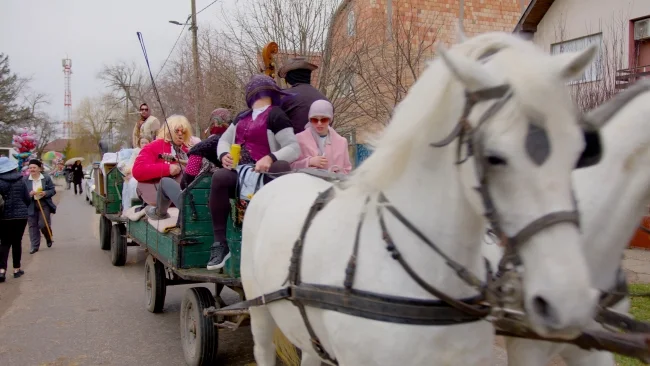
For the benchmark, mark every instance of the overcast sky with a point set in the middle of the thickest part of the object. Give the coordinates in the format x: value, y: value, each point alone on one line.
x: 37, y: 34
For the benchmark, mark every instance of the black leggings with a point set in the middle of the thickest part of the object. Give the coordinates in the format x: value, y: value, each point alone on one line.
x: 11, y: 237
x: 224, y: 182
x: 80, y: 189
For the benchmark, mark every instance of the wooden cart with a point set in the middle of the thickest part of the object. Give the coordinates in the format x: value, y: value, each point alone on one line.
x: 180, y: 256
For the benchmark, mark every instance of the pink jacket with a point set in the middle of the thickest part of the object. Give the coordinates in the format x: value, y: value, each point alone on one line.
x: 336, y: 151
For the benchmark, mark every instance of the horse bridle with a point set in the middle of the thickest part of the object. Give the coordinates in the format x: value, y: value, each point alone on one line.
x: 471, y: 137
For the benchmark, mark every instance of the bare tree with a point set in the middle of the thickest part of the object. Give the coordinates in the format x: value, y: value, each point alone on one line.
x: 125, y: 80
x: 371, y: 71
x: 42, y: 123
x: 93, y: 117
x: 299, y: 27
x: 602, y: 84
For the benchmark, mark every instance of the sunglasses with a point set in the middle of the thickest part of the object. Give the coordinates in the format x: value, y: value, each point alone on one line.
x: 324, y: 120
x: 144, y: 109
x: 179, y: 131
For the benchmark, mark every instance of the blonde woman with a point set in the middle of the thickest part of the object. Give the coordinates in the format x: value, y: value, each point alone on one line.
x: 157, y: 177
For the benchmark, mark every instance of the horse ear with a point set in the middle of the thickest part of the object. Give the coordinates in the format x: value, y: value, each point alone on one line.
x: 572, y: 64
x: 471, y: 73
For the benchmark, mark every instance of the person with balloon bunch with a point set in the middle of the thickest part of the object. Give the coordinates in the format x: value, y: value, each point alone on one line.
x: 24, y: 142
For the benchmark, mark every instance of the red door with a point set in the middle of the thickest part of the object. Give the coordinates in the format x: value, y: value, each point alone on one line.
x: 641, y: 238
x: 643, y: 58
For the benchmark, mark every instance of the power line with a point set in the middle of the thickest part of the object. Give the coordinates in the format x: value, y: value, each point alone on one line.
x: 173, y: 48
x: 199, y: 12
x: 178, y: 38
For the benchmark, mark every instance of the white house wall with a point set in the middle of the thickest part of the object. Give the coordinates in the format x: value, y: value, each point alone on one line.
x: 584, y: 17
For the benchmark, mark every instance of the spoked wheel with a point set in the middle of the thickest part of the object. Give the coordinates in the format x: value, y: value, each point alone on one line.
x: 118, y: 245
x: 105, y: 233
x: 199, y: 336
x: 154, y: 285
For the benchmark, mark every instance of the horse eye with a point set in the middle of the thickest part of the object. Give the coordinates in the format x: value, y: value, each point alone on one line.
x: 496, y: 160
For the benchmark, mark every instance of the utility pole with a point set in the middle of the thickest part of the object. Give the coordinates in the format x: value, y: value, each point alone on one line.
x: 195, y: 56
x: 111, y: 122
x: 461, y: 15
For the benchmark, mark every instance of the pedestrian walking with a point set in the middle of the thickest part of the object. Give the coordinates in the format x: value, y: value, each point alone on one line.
x: 13, y: 215
x: 41, y: 189
x: 67, y: 171
x: 77, y: 176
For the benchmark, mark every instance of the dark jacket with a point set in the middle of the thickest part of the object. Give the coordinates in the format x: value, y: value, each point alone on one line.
x: 77, y: 173
x: 297, y: 105
x: 48, y: 188
x: 207, y: 149
x: 15, y: 194
x: 68, y: 173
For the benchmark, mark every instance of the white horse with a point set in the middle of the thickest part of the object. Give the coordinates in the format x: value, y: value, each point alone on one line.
x: 612, y: 197
x: 438, y: 197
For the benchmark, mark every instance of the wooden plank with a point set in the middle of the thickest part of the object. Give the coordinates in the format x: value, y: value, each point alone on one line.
x: 233, y: 236
x: 201, y: 196
x: 202, y: 211
x: 203, y: 275
x: 163, y: 244
x: 138, y: 231
x: 194, y: 259
x: 202, y: 182
x: 198, y: 228
x: 196, y: 254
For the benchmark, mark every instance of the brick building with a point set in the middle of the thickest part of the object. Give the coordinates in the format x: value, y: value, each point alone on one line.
x: 377, y: 48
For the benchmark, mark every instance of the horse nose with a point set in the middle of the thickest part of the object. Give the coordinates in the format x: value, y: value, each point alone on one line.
x: 546, y: 312
x: 553, y: 315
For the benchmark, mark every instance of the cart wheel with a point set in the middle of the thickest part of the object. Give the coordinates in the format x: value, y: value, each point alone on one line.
x: 154, y: 285
x: 118, y: 245
x: 105, y: 233
x: 199, y: 336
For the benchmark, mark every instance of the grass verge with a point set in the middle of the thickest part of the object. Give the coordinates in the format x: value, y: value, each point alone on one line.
x: 640, y: 309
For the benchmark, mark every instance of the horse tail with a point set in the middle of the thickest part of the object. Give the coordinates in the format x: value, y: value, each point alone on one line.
x: 287, y: 352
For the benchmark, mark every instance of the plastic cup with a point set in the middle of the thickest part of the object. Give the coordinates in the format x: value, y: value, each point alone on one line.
x: 235, y: 153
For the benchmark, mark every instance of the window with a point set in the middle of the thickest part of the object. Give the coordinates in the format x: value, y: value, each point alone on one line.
x: 593, y: 71
x: 351, y: 23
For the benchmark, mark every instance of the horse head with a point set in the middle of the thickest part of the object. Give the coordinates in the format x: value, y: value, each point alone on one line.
x: 525, y: 138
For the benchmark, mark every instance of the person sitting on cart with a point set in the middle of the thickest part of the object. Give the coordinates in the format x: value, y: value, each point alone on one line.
x: 267, y: 140
x: 320, y: 146
x: 157, y: 167
x: 206, y: 150
x: 297, y: 73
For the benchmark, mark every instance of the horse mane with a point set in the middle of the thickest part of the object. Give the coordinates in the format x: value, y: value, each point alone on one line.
x: 418, y: 115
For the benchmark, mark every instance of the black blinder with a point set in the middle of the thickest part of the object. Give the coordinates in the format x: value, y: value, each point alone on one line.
x: 538, y: 145
x: 593, y: 151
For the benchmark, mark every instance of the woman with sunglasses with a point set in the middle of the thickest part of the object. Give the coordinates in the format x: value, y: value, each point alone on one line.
x: 320, y: 146
x: 154, y: 169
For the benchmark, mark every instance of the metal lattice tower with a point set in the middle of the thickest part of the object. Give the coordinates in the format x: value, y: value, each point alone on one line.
x: 67, y: 98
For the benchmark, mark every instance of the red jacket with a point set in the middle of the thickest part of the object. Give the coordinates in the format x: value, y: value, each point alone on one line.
x: 148, y: 166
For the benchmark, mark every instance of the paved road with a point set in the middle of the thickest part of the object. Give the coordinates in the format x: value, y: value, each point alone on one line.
x: 74, y: 308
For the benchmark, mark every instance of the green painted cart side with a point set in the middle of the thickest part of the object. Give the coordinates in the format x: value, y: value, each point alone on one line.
x: 187, y: 247
x: 111, y: 201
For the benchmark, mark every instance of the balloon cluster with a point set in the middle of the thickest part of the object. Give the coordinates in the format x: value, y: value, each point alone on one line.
x: 24, y: 142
